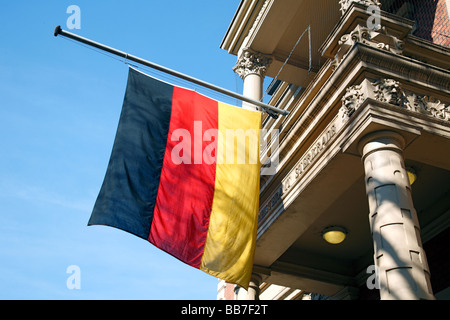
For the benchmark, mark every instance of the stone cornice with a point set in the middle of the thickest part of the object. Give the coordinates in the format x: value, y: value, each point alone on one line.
x: 423, y: 74
x: 244, y: 21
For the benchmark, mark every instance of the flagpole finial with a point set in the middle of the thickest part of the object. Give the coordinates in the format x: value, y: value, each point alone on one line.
x: 57, y: 30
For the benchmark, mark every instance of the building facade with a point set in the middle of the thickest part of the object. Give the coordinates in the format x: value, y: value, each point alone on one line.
x: 364, y: 151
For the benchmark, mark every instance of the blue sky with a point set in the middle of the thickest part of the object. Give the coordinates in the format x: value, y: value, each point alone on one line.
x: 59, y: 108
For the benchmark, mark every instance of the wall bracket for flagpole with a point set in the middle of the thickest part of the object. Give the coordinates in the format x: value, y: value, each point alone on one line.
x: 271, y: 110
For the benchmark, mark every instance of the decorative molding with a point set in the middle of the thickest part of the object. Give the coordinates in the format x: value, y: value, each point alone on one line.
x: 256, y: 23
x: 428, y: 105
x: 300, y: 168
x: 379, y: 39
x: 270, y: 205
x: 252, y: 62
x: 391, y: 91
x: 352, y: 99
x: 345, y: 4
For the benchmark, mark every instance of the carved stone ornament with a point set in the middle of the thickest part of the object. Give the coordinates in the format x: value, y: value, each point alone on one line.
x: 390, y: 91
x: 345, y: 4
x: 380, y: 39
x: 428, y: 105
x: 252, y: 63
x: 303, y: 165
x: 351, y: 100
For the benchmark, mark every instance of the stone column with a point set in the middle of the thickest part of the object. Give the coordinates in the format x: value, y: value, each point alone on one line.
x: 399, y: 258
x: 251, y: 67
x: 253, y: 287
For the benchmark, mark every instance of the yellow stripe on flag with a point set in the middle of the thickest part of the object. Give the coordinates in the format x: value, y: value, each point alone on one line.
x: 231, y: 238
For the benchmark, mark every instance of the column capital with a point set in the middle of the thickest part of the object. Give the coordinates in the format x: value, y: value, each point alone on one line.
x: 379, y: 140
x: 345, y: 4
x: 256, y: 278
x: 253, y: 287
x: 251, y: 62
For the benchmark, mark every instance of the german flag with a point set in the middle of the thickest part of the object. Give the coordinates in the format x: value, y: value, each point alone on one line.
x: 184, y: 175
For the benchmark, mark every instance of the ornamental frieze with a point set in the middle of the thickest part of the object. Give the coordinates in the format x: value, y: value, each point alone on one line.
x: 390, y: 91
x: 300, y: 168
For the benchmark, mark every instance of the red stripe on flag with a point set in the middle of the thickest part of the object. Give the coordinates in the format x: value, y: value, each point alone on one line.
x: 186, y: 189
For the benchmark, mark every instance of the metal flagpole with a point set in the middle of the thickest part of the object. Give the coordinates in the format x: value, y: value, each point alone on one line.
x: 271, y: 110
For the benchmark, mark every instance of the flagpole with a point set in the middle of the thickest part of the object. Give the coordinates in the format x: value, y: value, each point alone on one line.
x: 271, y: 110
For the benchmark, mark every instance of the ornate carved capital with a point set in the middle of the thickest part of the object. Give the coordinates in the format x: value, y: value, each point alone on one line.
x: 391, y: 91
x: 345, y: 4
x: 252, y: 63
x: 380, y: 39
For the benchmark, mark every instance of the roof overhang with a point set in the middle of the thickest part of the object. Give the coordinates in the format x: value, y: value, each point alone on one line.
x: 275, y: 28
